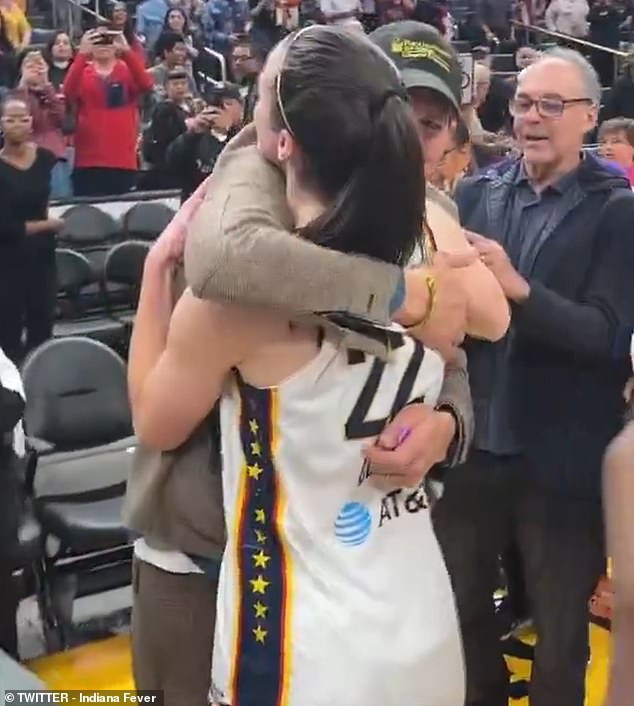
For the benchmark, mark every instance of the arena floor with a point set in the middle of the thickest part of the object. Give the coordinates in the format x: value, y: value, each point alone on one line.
x: 106, y: 664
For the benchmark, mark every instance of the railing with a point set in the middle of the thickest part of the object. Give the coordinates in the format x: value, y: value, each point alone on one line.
x: 217, y: 56
x: 618, y: 55
x: 71, y: 11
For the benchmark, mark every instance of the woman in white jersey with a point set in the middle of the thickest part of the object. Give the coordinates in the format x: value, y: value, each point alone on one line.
x: 332, y: 591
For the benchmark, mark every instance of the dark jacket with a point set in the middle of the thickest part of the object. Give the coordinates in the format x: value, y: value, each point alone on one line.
x: 604, y: 21
x: 168, y: 122
x: 569, y: 351
x: 620, y: 100
x: 494, y: 112
x: 191, y: 158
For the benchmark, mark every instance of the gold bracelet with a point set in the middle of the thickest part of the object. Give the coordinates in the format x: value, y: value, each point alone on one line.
x: 432, y: 291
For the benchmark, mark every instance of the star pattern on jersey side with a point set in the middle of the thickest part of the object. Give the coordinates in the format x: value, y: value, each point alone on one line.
x: 261, y: 559
x: 260, y: 634
x: 255, y: 471
x: 256, y: 455
x: 260, y: 610
x: 260, y: 515
x: 259, y: 584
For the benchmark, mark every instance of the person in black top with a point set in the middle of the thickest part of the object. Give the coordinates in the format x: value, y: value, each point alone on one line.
x: 264, y: 31
x: 191, y: 156
x: 471, y: 30
x: 27, y: 234
x: 604, y: 20
x: 169, y: 120
x: 247, y: 60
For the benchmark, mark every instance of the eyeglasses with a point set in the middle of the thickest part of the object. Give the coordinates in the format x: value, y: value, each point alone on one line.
x: 546, y: 107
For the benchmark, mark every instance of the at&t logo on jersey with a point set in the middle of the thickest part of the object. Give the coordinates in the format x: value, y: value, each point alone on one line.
x: 354, y: 521
x: 353, y: 524
x: 400, y: 501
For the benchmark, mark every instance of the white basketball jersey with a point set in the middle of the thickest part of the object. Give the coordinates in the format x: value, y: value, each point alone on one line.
x: 332, y: 591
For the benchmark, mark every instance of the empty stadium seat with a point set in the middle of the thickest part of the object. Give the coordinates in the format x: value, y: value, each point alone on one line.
x: 86, y: 225
x: 124, y: 267
x: 77, y: 404
x: 74, y: 275
x: 146, y: 221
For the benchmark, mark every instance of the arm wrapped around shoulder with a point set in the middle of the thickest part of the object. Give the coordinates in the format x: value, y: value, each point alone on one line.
x: 240, y: 248
x: 231, y: 242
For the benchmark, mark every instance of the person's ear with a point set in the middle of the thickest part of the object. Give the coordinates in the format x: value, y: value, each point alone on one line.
x: 285, y: 146
x: 592, y: 117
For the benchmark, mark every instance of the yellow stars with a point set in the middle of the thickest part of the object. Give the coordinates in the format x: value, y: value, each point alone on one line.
x: 256, y: 449
x: 254, y: 471
x: 260, y: 536
x: 260, y: 634
x: 261, y: 559
x: 260, y: 515
x: 260, y: 610
x: 259, y: 584
x: 254, y: 426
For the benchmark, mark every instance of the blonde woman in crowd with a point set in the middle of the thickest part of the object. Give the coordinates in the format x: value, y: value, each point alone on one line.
x: 17, y: 27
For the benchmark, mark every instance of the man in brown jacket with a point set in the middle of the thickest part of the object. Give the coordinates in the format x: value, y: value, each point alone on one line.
x: 239, y: 248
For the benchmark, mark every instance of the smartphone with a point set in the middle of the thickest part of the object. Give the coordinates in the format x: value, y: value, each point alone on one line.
x: 106, y: 37
x: 102, y: 39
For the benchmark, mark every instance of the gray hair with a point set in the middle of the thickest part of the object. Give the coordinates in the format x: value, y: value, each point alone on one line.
x: 591, y: 83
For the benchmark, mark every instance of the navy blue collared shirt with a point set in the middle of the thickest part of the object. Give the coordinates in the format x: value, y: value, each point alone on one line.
x: 531, y: 218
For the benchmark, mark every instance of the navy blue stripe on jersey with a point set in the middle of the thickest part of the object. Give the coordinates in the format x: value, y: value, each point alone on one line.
x: 260, y: 672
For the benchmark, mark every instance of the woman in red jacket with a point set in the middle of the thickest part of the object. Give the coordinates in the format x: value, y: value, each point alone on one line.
x: 103, y: 85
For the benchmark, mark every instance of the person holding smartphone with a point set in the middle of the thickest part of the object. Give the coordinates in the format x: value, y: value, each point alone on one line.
x: 49, y: 115
x: 104, y: 84
x: 170, y: 118
x: 192, y: 155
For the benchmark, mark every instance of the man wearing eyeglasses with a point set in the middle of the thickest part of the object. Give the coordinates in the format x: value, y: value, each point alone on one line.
x: 556, y: 232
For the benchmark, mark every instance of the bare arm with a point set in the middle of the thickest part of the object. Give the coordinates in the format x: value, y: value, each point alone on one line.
x: 179, y: 356
x: 174, y: 391
x: 618, y: 483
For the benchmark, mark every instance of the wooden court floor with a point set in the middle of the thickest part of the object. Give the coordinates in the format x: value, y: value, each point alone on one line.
x: 107, y: 665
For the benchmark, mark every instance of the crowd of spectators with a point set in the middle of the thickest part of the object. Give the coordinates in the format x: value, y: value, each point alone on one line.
x: 137, y: 102
x: 96, y: 100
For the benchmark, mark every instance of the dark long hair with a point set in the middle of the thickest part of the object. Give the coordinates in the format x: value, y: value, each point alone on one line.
x: 48, y: 50
x: 345, y: 105
x: 128, y: 27
x: 186, y: 30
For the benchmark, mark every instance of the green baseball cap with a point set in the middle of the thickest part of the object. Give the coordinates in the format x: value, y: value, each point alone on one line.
x: 424, y: 59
